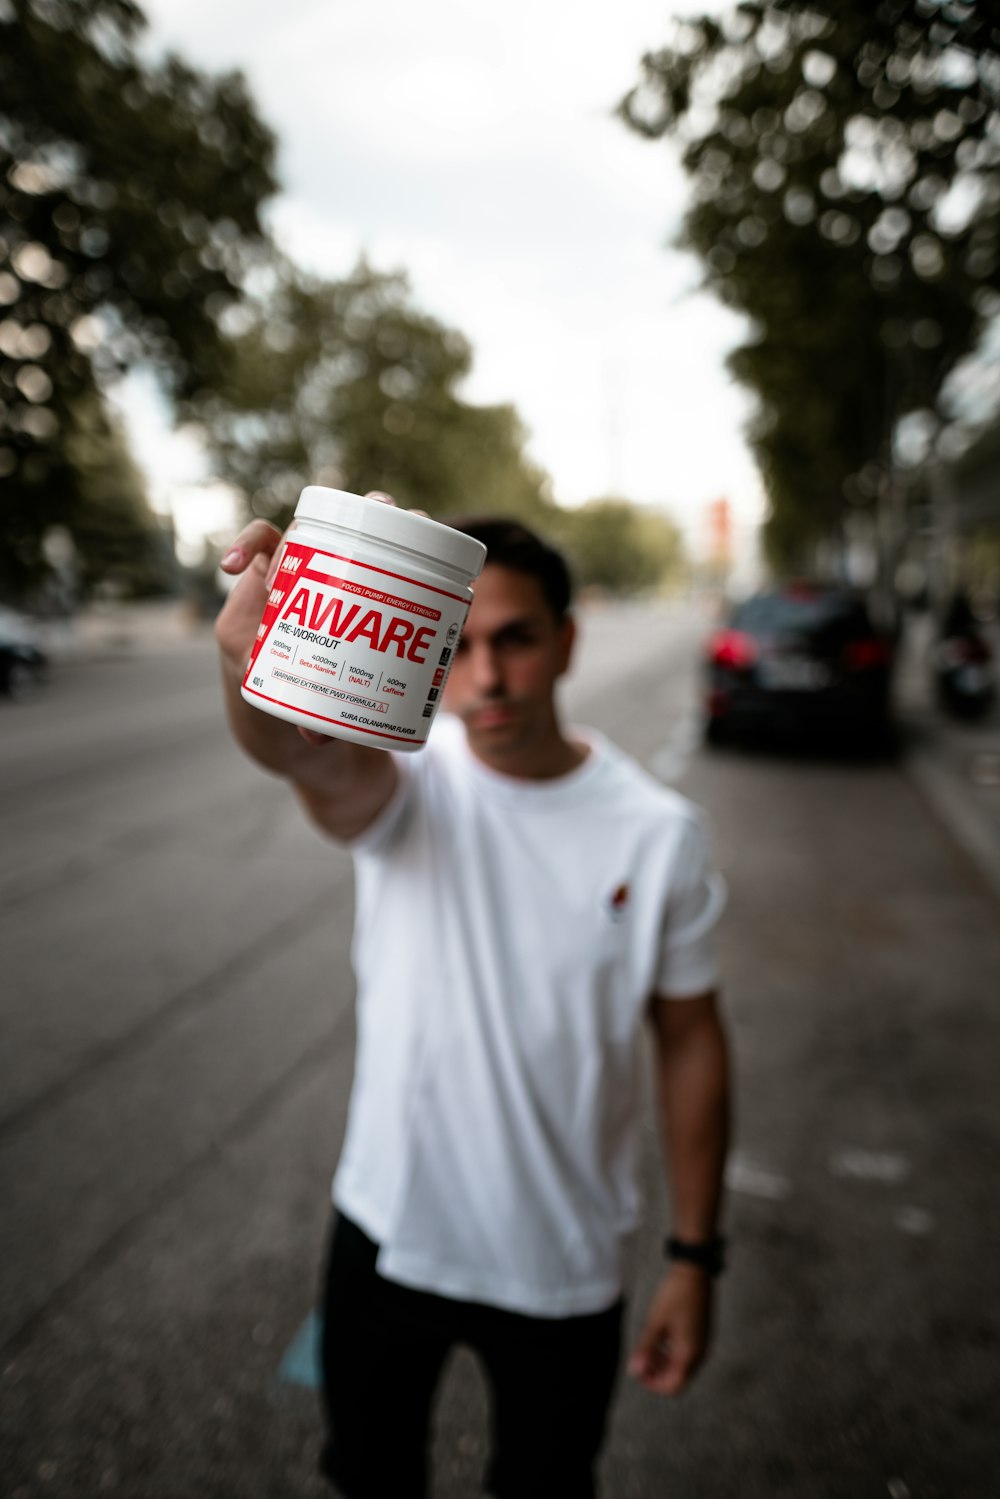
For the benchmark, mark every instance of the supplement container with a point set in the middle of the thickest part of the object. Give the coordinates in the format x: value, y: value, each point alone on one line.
x: 362, y: 620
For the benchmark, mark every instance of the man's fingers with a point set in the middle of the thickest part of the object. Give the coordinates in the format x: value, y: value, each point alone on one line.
x: 258, y: 543
x: 664, y: 1359
x: 644, y: 1356
x: 258, y: 539
x: 662, y: 1368
x: 672, y: 1379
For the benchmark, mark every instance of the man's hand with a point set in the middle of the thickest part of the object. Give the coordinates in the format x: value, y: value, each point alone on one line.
x: 343, y: 786
x: 254, y: 556
x: 675, y: 1338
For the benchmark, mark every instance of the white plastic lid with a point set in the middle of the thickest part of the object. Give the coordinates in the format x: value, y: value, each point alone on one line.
x: 401, y: 528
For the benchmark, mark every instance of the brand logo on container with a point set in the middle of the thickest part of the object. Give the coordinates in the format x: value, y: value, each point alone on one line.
x: 330, y: 614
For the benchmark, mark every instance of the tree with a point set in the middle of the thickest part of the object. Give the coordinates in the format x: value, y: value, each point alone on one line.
x: 621, y: 547
x: 348, y: 384
x: 845, y: 160
x: 120, y: 543
x: 129, y: 196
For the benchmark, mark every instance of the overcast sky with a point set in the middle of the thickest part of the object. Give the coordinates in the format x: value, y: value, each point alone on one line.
x: 475, y: 147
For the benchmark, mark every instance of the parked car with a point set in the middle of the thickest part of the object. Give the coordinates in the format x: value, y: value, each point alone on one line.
x: 799, y: 656
x: 22, y: 660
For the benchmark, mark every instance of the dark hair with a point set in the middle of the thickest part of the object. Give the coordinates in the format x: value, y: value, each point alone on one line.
x: 510, y: 544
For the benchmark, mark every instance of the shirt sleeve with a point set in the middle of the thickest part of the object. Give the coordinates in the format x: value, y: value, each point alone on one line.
x: 688, y: 960
x: 380, y: 833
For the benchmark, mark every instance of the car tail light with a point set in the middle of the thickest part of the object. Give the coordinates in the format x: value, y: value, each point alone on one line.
x: 862, y: 655
x: 733, y: 649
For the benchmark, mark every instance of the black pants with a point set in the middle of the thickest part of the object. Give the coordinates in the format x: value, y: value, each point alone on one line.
x: 384, y: 1347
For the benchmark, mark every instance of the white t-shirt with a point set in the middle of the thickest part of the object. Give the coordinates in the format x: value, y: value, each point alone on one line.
x: 509, y: 935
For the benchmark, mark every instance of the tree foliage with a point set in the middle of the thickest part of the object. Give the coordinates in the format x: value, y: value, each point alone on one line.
x: 120, y: 544
x: 129, y: 201
x: 620, y: 547
x: 348, y: 384
x: 845, y: 162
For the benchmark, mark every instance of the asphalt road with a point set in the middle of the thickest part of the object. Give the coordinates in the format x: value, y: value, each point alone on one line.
x: 177, y: 1054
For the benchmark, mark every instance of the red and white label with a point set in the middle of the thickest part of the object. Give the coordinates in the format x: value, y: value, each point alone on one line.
x: 353, y: 646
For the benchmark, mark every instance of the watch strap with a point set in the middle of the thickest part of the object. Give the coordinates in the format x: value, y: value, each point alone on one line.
x: 709, y: 1254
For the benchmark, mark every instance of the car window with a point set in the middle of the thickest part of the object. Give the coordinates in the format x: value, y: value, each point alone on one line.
x: 774, y: 613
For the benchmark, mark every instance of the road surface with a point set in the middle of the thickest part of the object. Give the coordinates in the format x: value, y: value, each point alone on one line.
x: 178, y: 1047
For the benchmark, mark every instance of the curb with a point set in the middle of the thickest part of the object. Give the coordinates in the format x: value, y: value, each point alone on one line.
x: 948, y: 799
x: 936, y: 753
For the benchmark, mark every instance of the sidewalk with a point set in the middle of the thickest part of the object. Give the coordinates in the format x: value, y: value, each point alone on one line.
x: 955, y: 766
x: 125, y: 629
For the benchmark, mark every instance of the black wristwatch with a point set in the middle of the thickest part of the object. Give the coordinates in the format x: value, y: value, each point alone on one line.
x: 709, y: 1255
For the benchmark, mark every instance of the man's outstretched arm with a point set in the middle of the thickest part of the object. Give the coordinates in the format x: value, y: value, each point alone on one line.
x: 692, y: 1069
x: 343, y: 786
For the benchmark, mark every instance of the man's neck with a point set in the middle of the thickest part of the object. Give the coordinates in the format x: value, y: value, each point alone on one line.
x: 553, y: 757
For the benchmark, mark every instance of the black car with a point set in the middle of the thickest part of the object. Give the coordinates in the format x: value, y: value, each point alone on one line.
x: 799, y: 656
x: 22, y: 661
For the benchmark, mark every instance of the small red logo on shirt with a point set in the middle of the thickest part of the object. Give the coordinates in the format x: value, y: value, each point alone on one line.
x: 617, y: 901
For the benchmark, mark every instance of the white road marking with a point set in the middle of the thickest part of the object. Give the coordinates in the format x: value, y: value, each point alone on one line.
x: 985, y: 769
x: 898, y: 1489
x: 870, y: 1165
x: 914, y: 1220
x: 756, y: 1181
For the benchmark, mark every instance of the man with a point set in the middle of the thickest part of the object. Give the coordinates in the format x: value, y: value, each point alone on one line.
x: 528, y: 899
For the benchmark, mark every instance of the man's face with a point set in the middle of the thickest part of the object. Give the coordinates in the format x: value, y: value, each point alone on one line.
x: 502, y: 680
